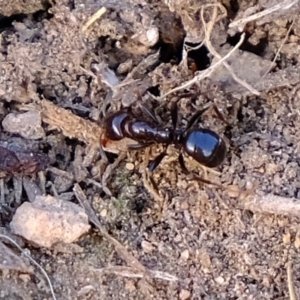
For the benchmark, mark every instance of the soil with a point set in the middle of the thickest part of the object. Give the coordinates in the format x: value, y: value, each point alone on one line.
x: 198, y: 233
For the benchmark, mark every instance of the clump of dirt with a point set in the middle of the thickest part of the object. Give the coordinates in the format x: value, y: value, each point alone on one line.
x: 163, y: 235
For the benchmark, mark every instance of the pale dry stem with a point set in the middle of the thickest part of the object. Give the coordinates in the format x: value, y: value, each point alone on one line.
x: 273, y: 205
x: 208, y: 27
x: 222, y: 60
x: 94, y: 18
x: 280, y: 6
x: 206, y: 73
x: 279, y: 49
x: 132, y: 273
x: 291, y: 287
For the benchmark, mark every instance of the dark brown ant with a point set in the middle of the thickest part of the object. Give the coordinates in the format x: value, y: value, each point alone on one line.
x: 203, y: 145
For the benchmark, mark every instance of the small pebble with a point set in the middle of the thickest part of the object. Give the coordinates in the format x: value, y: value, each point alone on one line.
x: 220, y: 280
x: 287, y: 238
x: 130, y: 287
x: 49, y: 220
x: 103, y: 213
x: 129, y: 166
x: 28, y: 125
x: 185, y: 255
x: 152, y: 36
x: 297, y: 241
x: 233, y: 191
x: 184, y: 295
x: 147, y: 247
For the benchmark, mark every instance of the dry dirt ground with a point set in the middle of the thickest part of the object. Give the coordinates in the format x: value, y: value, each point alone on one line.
x: 207, y: 238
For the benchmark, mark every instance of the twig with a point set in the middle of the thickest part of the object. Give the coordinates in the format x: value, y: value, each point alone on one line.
x: 279, y: 49
x: 208, y: 30
x: 273, y: 204
x: 289, y: 271
x: 132, y: 273
x: 33, y: 261
x: 280, y: 6
x: 207, y: 72
x: 94, y: 18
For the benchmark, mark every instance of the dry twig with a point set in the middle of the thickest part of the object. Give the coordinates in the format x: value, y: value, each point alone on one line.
x: 289, y: 271
x: 136, y: 269
x: 207, y: 72
x: 208, y: 30
x: 279, y: 49
x: 94, y: 18
x: 284, y: 5
x: 222, y: 60
x: 132, y: 273
x: 76, y: 127
x: 273, y: 204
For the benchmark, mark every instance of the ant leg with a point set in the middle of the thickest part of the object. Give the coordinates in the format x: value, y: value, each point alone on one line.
x: 220, y: 115
x: 174, y: 114
x: 106, y: 103
x: 102, y: 152
x: 182, y: 164
x: 157, y: 160
x: 139, y: 146
x: 148, y: 112
x: 196, y: 117
x: 198, y: 178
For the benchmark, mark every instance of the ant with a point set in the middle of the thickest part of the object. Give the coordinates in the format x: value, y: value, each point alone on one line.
x: 203, y: 145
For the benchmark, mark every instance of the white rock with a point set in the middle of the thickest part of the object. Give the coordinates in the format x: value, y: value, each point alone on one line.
x: 49, y: 220
x: 28, y: 125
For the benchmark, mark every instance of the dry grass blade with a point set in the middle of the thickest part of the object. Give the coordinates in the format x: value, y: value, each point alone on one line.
x: 206, y: 73
x: 292, y: 292
x: 279, y: 49
x: 208, y: 31
x: 132, y: 273
x: 33, y: 261
x: 122, y: 251
x: 94, y: 18
x: 283, y: 5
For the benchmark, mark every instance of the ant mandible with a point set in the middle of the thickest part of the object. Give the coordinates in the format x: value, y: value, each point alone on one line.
x: 203, y: 145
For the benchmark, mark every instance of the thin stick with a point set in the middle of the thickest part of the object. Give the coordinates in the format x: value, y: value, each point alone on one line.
x: 279, y: 49
x: 94, y: 18
x: 133, y: 273
x: 207, y: 72
x: 208, y: 31
x: 289, y: 271
x: 280, y: 6
x: 273, y: 204
x: 33, y: 261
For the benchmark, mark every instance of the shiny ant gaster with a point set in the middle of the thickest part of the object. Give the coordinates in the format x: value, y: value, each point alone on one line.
x: 203, y: 145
